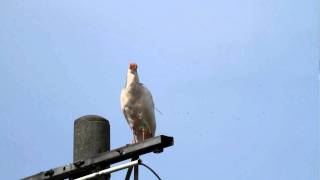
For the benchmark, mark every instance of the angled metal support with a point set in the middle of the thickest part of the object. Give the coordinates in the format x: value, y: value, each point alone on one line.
x: 110, y: 170
x: 128, y: 175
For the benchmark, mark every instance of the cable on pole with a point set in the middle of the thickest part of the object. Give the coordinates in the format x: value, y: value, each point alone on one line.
x: 150, y: 170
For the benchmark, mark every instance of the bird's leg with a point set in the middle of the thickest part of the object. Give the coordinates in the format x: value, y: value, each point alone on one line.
x: 143, y: 133
x: 134, y: 140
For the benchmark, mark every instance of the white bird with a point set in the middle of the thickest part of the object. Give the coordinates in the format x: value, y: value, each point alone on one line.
x: 137, y: 106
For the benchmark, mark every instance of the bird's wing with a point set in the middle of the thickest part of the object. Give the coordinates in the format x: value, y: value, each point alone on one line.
x: 123, y: 102
x: 122, y: 99
x: 148, y: 109
x: 147, y: 97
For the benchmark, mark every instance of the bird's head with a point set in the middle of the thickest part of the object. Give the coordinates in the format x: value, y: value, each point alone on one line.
x: 132, y: 76
x: 133, y: 67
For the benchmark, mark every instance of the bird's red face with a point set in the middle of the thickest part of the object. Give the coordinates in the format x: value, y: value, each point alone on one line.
x: 133, y: 66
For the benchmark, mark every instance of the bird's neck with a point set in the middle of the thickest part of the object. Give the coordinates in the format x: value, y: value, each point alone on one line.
x: 132, y: 79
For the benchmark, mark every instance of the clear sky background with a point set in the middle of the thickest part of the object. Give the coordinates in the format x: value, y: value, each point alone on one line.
x: 237, y: 82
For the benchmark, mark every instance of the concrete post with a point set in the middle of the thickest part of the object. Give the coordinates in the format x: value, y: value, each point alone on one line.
x: 91, y: 137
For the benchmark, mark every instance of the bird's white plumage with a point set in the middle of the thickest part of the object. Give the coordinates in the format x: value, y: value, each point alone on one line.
x: 138, y: 107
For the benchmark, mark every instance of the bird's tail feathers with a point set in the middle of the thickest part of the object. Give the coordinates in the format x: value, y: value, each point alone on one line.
x: 158, y: 111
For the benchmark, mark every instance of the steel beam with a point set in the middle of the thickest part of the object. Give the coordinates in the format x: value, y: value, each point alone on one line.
x: 87, y: 166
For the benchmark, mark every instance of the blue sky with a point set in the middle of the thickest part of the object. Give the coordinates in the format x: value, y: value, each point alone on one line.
x: 237, y: 82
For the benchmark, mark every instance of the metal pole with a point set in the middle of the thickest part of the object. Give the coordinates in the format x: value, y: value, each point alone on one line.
x: 91, y: 137
x: 136, y: 172
x: 111, y: 170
